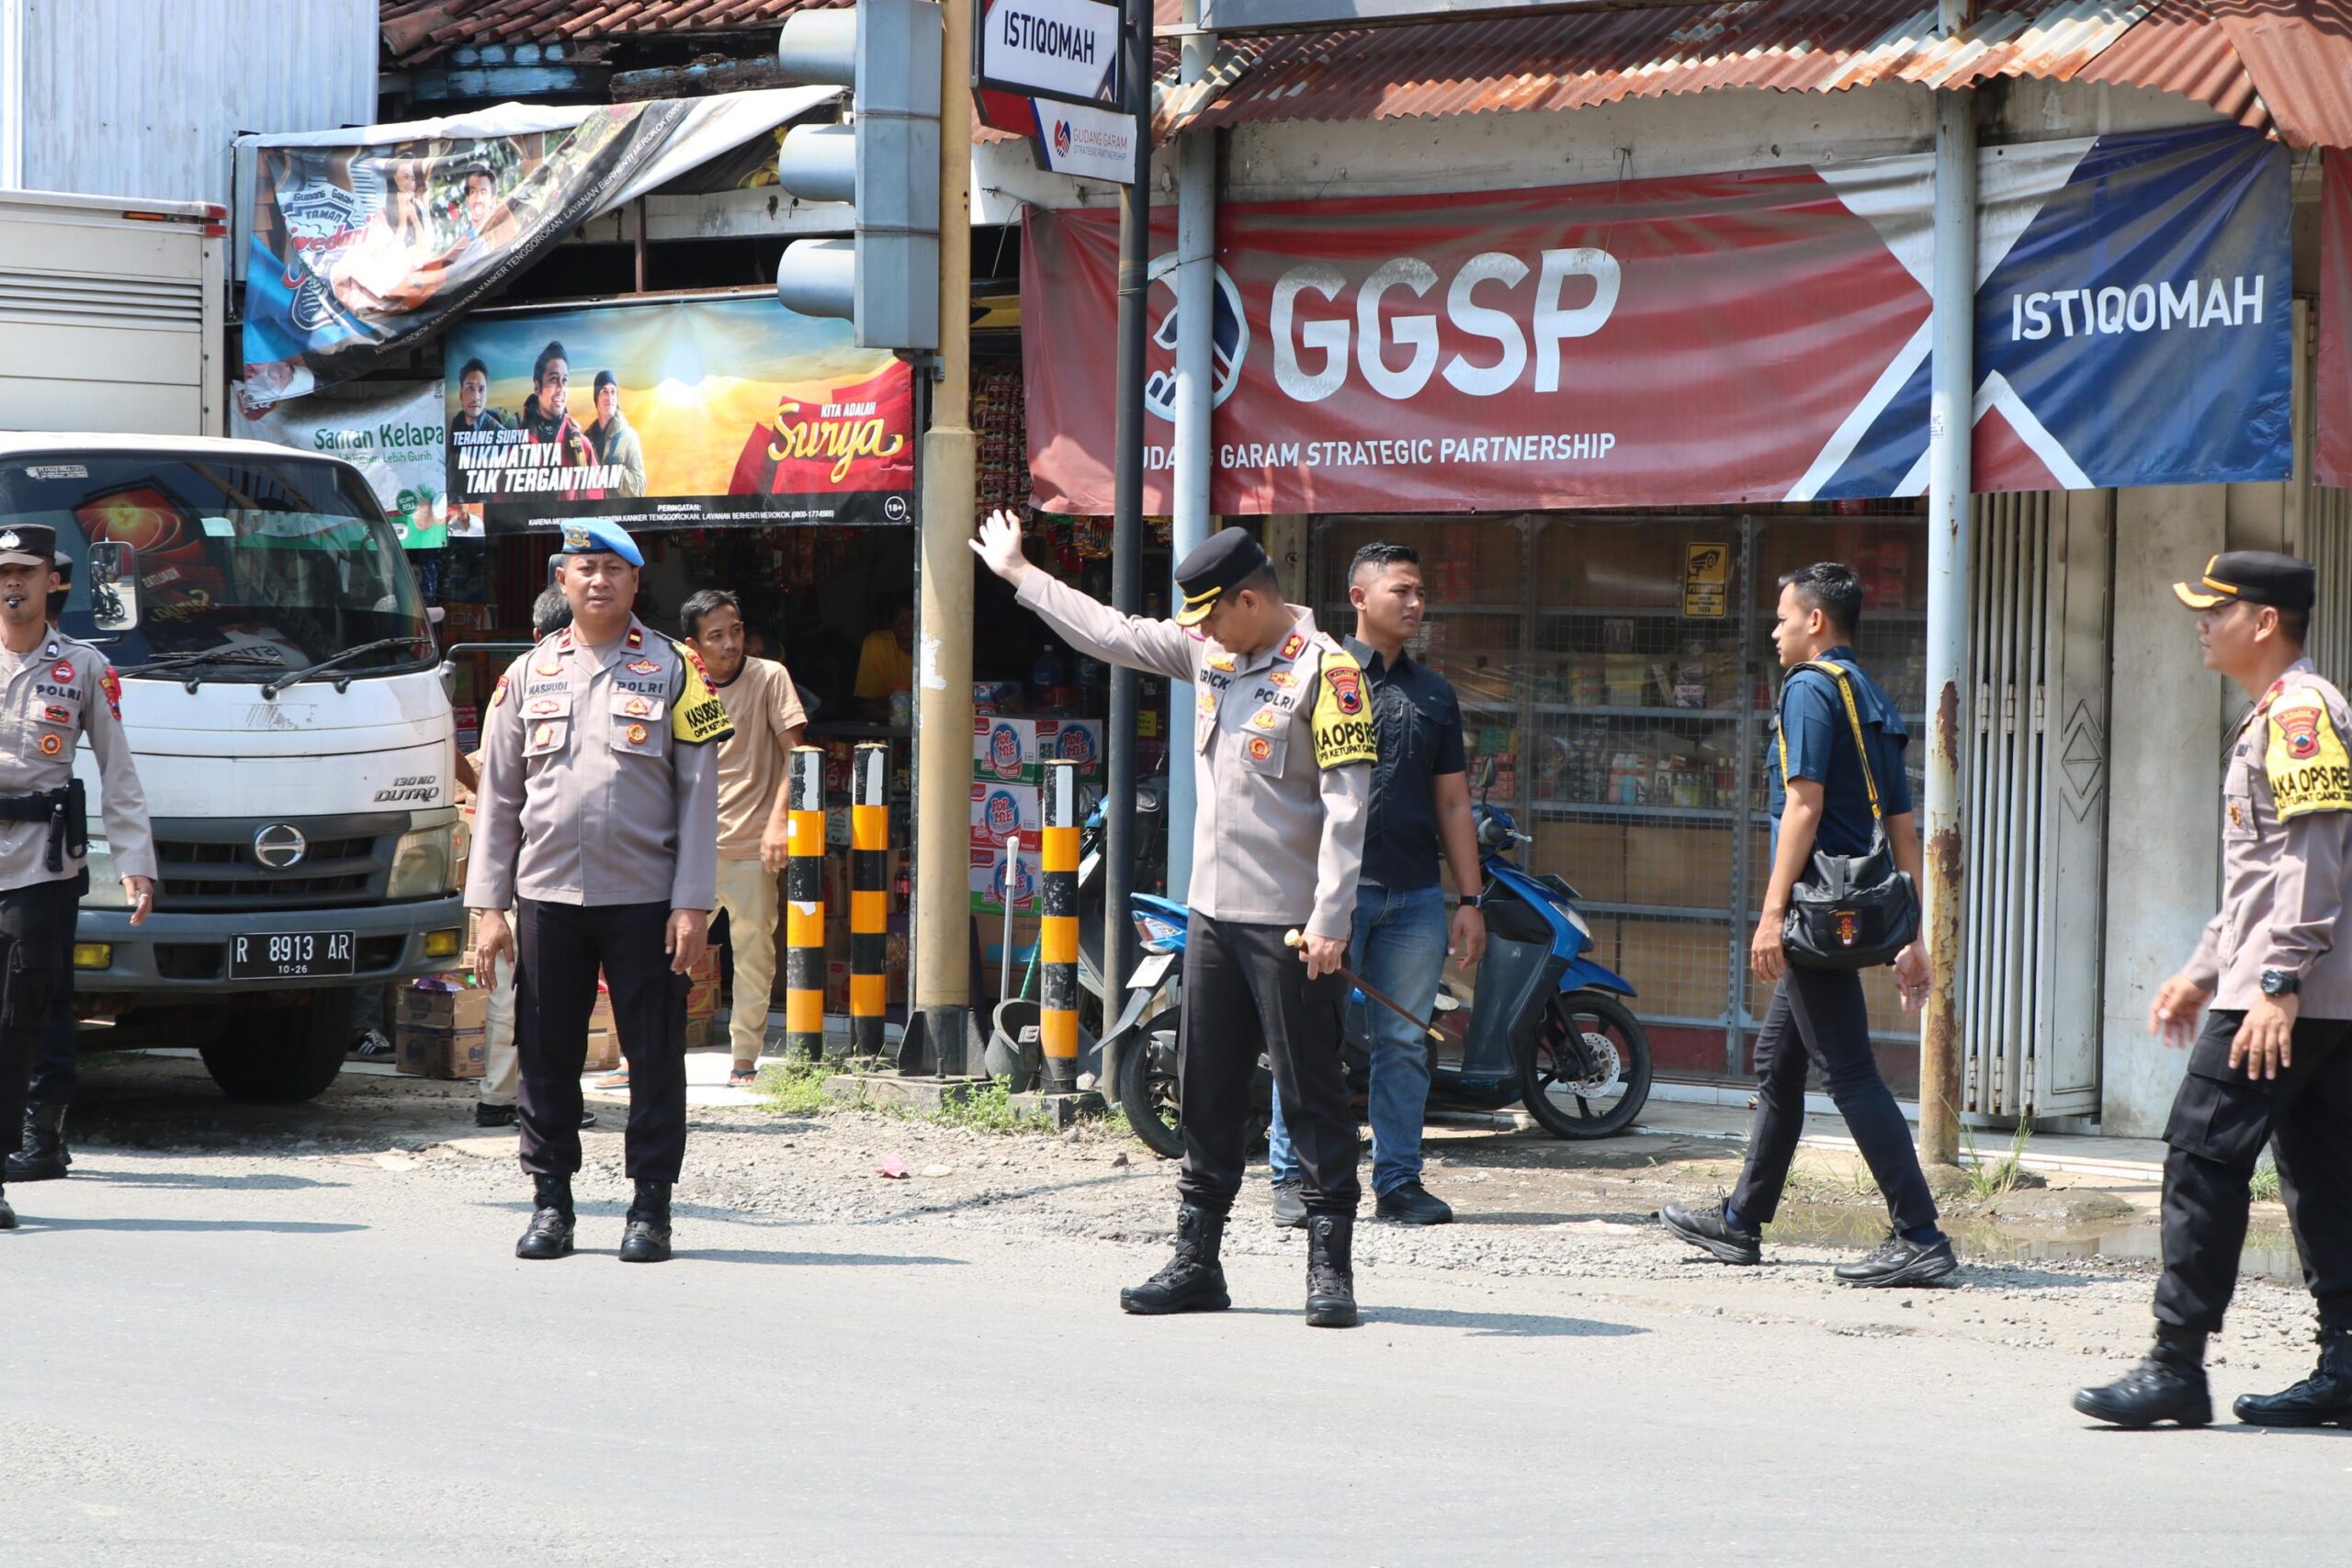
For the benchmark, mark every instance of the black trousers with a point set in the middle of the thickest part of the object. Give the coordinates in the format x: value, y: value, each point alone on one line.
x: 2219, y: 1120
x: 36, y: 969
x: 1819, y: 1016
x: 1244, y: 990
x: 56, y: 1075
x: 562, y: 946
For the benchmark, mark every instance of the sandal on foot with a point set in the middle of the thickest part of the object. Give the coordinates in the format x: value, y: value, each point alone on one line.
x: 742, y: 1077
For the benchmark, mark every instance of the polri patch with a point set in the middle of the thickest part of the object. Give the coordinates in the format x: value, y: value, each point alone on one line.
x: 51, y: 745
x: 1292, y: 646
x: 2306, y: 762
x: 644, y: 667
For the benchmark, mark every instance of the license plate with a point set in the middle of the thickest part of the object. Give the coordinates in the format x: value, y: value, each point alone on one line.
x: 289, y: 956
x: 1150, y: 972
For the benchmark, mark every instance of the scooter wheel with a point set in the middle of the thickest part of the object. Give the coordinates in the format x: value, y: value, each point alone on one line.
x: 1147, y: 1088
x: 1587, y: 1075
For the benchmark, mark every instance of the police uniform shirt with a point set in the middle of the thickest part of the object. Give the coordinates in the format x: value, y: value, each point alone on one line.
x: 53, y: 697
x: 1283, y: 741
x: 2286, y: 851
x: 599, y: 778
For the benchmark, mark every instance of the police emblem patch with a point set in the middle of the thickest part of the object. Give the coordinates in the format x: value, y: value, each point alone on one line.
x: 51, y: 745
x: 9, y: 541
x: 543, y: 707
x: 575, y: 537
x: 52, y: 714
x: 1292, y: 646
x: 543, y: 736
x: 2237, y: 817
x: 498, y: 693
x: 62, y: 670
x: 644, y: 667
x: 1219, y: 661
x: 637, y: 735
x: 1205, y: 702
x: 637, y: 707
x: 1849, y: 927
x: 2298, y: 729
x: 1281, y: 678
x: 547, y: 667
x: 2306, y: 762
x: 111, y: 684
x: 1347, y: 687
x: 1265, y: 718
x: 1261, y: 748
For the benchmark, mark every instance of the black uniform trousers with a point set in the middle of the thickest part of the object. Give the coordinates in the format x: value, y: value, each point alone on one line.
x: 2219, y: 1120
x: 562, y: 946
x: 36, y: 969
x: 1244, y: 988
x: 56, y: 1075
x: 1819, y: 1016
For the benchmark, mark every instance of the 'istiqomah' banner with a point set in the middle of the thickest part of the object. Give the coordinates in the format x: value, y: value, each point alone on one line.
x: 689, y: 414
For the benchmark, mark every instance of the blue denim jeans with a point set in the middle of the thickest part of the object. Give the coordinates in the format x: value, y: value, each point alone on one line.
x: 1398, y: 947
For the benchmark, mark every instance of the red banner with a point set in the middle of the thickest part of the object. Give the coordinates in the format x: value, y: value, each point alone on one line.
x: 2335, y: 452
x: 1706, y: 339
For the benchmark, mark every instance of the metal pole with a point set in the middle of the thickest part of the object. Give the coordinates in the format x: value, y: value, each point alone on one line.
x: 942, y: 976
x: 1195, y: 383
x: 869, y: 897
x: 804, y: 907
x: 1951, y: 428
x: 1127, y: 523
x: 1058, y: 930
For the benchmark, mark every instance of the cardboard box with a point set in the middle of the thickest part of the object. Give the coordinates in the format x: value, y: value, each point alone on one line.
x: 1688, y: 866
x: 1000, y: 810
x: 422, y: 1052
x: 702, y: 1000
x: 603, y: 1052
x: 1007, y: 749
x: 1590, y: 856
x: 988, y: 870
x: 442, y: 1004
x: 702, y: 1033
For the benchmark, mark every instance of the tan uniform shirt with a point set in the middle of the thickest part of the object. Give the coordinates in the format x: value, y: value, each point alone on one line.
x: 764, y: 706
x: 599, y: 784
x: 53, y: 697
x: 1283, y: 743
x: 2286, y: 851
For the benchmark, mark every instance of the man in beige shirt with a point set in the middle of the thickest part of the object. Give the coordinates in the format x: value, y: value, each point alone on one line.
x: 753, y: 815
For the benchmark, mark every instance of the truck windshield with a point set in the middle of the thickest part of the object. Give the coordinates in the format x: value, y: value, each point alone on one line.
x: 279, y: 563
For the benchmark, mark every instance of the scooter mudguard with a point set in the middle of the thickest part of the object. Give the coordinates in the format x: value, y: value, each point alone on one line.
x: 1513, y: 977
x: 1584, y: 974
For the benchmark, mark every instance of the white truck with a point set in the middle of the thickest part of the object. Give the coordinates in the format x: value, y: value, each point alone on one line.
x: 280, y: 687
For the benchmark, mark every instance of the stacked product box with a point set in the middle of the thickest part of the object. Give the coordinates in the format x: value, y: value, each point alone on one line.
x: 1009, y: 754
x: 440, y: 1025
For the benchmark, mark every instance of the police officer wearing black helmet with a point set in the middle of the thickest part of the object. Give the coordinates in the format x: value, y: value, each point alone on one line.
x: 2274, y: 1059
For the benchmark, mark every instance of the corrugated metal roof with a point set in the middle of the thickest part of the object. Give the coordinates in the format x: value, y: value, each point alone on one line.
x: 415, y: 31
x: 2284, y: 66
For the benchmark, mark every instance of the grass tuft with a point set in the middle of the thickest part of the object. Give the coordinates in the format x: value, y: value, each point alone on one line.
x: 1997, y: 1179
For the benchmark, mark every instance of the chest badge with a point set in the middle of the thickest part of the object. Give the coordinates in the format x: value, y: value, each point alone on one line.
x: 644, y: 667
x: 543, y: 736
x: 1265, y: 718
x: 637, y: 707
x: 62, y: 672
x: 1281, y: 678
x: 544, y: 707
x: 51, y: 745
x: 1205, y: 702
x: 1292, y: 646
x: 547, y: 667
x: 1220, y: 661
x: 1261, y: 748
x: 2237, y: 816
x: 637, y: 735
x: 498, y: 693
x: 52, y: 714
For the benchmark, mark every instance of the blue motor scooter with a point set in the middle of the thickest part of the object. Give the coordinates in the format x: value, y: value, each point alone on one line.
x: 1547, y: 1026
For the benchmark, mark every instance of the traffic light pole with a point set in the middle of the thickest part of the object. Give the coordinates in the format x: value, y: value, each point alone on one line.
x: 942, y: 981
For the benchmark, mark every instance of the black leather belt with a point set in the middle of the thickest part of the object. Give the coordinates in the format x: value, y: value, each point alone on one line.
x: 65, y: 810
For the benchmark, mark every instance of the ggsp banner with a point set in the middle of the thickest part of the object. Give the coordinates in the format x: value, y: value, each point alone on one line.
x: 687, y: 414
x: 1730, y: 338
x: 2335, y: 372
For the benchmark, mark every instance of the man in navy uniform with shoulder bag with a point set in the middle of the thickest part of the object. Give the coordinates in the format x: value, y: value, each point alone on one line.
x: 1839, y: 791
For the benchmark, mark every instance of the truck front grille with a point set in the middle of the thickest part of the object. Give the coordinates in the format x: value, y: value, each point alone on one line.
x: 210, y: 867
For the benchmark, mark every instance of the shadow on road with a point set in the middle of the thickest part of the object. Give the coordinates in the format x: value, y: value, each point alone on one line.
x: 1478, y: 1325
x: 850, y: 1259
x: 257, y: 1183
x: 280, y: 1227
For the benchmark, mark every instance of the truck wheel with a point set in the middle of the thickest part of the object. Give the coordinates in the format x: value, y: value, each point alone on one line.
x: 284, y: 1055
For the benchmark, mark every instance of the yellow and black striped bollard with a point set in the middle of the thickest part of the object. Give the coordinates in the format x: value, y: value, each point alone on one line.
x: 869, y: 895
x: 1057, y: 932
x: 804, y: 905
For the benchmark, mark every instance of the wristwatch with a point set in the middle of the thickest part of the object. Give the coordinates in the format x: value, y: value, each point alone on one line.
x: 2280, y: 983
x: 1471, y: 901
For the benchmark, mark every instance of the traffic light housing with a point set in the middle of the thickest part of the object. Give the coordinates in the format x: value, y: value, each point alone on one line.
x: 885, y: 160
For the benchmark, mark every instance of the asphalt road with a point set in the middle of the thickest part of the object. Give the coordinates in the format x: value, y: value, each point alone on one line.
x: 260, y: 1361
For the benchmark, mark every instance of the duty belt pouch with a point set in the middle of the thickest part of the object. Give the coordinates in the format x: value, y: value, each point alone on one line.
x: 1849, y: 911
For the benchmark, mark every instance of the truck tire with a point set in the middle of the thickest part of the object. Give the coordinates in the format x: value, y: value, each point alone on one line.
x: 284, y: 1055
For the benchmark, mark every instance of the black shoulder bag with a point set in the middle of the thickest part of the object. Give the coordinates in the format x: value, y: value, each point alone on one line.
x: 1849, y: 911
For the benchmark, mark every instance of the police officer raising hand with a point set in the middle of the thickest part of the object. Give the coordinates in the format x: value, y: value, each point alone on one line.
x: 1283, y: 744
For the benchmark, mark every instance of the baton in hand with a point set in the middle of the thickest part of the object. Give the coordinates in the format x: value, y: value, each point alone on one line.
x: 1296, y: 938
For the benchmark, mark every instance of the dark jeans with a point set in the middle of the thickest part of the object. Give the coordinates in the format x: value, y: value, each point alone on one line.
x: 563, y: 946
x: 36, y: 967
x: 1818, y: 1016
x: 2220, y: 1119
x: 1244, y: 990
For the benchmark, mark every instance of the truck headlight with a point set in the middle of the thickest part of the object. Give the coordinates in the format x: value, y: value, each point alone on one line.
x: 105, y: 889
x: 425, y: 863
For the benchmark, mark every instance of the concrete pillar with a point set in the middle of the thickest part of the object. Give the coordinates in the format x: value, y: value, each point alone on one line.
x: 2164, y: 814
x: 1285, y: 538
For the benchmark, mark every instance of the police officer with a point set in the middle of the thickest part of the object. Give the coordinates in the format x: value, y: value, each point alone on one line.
x: 2274, y: 1059
x: 1283, y: 739
x: 598, y: 819
x: 54, y: 692
x: 56, y: 1075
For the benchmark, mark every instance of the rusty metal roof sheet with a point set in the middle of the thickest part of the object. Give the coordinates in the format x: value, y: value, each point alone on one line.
x: 2283, y: 66
x: 415, y: 31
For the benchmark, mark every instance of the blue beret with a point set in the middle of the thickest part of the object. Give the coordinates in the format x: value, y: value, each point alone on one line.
x: 595, y: 537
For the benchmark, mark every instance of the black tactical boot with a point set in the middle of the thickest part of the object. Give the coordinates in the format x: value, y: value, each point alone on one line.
x: 2323, y: 1399
x: 43, y: 1158
x: 1193, y: 1280
x: 646, y: 1238
x: 549, y: 1231
x: 8, y: 1215
x: 2167, y: 1385
x: 1330, y: 1271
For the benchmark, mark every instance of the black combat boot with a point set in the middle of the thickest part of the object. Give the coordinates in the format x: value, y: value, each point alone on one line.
x: 549, y: 1231
x: 2323, y: 1399
x: 2167, y: 1385
x: 8, y: 1215
x: 44, y: 1157
x: 646, y: 1238
x: 1330, y: 1271
x: 1193, y: 1280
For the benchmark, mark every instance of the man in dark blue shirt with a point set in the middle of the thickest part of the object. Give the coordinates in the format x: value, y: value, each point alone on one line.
x: 1420, y: 806
x: 1821, y: 799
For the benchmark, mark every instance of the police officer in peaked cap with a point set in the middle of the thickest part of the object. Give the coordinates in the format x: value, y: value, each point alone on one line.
x: 2274, y: 1059
x: 1283, y: 744
x: 598, y: 820
x: 55, y: 694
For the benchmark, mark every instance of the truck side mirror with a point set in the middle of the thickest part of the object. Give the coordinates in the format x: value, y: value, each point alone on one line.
x: 114, y: 586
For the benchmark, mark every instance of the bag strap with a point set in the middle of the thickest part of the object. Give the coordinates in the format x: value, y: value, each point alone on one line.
x: 1837, y: 672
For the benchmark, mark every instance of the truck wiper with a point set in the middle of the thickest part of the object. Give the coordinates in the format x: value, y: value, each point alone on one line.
x: 245, y: 655
x: 270, y: 690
